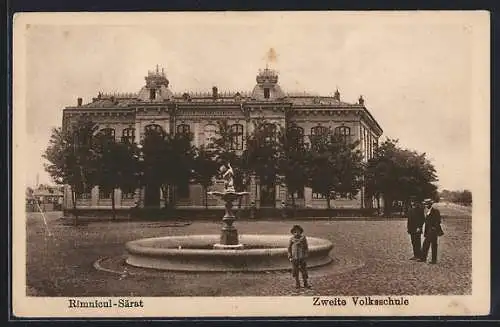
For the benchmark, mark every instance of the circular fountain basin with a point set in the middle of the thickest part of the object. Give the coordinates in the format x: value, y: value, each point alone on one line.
x: 196, y: 253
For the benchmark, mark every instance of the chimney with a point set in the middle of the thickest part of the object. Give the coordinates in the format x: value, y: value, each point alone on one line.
x: 79, y: 102
x: 214, y: 92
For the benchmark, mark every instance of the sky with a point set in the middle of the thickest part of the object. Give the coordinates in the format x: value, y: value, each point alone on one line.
x: 414, y: 72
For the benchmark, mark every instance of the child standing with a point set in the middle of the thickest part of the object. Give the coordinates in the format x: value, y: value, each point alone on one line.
x: 297, y: 253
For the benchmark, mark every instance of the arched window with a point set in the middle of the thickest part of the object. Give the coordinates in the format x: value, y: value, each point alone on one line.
x: 155, y: 128
x: 210, y: 132
x: 236, y: 137
x: 344, y: 132
x: 270, y: 132
x: 108, y: 133
x: 128, y: 135
x: 319, y: 130
x: 183, y: 129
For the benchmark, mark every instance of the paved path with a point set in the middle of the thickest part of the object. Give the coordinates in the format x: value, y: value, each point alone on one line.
x: 62, y: 265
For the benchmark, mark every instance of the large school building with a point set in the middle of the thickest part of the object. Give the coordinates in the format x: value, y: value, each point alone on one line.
x: 156, y: 106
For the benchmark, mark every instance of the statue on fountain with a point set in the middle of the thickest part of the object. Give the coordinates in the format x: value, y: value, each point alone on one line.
x: 228, y: 177
x: 229, y: 234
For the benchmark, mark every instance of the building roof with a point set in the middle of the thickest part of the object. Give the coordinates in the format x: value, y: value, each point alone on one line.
x: 266, y: 89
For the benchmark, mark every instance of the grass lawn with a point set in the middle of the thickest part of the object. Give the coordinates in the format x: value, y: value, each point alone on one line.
x: 62, y: 265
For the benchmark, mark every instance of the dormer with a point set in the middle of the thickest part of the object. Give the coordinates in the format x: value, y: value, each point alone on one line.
x: 156, y: 88
x: 267, y: 87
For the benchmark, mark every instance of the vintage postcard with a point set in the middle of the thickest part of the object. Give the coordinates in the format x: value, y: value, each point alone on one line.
x: 230, y: 164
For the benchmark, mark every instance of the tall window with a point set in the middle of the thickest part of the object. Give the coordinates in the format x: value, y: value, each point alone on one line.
x: 152, y: 94
x: 183, y: 129
x: 236, y: 137
x: 296, y: 135
x: 344, y: 132
x: 319, y: 130
x: 155, y: 128
x: 128, y: 135
x: 210, y: 132
x: 81, y: 139
x: 269, y: 130
x: 108, y: 133
x: 266, y: 93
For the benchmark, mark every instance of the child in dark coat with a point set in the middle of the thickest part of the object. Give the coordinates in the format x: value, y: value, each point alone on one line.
x: 297, y: 253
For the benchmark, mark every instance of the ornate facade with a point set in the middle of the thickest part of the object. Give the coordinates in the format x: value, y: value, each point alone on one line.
x: 156, y: 106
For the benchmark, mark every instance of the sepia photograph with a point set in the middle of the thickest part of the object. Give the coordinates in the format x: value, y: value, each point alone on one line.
x: 225, y: 164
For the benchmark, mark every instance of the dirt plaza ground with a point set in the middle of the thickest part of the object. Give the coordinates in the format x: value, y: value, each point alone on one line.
x: 375, y: 252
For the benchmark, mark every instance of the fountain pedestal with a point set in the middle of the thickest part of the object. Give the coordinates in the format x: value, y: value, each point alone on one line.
x: 229, y: 234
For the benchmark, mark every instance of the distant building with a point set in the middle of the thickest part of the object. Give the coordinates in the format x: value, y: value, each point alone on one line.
x: 49, y: 198
x: 155, y: 106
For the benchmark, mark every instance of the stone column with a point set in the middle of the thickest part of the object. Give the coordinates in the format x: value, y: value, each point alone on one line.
x: 68, y: 203
x: 278, y: 195
x: 252, y: 189
x: 94, y: 196
x: 307, y: 196
x: 118, y: 198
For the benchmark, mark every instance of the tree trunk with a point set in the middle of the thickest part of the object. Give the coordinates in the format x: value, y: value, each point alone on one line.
x: 388, y: 205
x: 73, y: 200
x: 328, y: 201
x: 174, y: 197
x: 378, y: 204
x: 113, y: 209
x: 206, y: 197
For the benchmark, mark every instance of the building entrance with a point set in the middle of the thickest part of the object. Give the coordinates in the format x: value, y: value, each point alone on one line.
x: 268, y: 195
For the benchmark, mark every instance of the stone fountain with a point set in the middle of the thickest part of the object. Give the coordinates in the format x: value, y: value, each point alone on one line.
x: 229, y: 234
x: 225, y: 252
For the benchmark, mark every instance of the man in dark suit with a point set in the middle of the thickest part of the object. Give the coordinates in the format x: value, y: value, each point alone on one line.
x: 414, y: 227
x: 432, y: 231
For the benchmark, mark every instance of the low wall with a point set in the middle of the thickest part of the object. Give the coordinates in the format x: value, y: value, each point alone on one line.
x: 216, y: 214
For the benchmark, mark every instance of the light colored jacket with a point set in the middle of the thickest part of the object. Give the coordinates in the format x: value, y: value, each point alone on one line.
x: 298, y: 248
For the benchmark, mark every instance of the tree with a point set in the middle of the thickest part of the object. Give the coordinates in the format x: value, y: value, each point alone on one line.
x: 181, y: 163
x: 168, y: 162
x: 293, y: 165
x: 398, y: 174
x: 225, y: 152
x: 463, y: 197
x: 116, y: 166
x: 72, y: 159
x: 336, y: 166
x: 264, y: 151
x: 205, y: 168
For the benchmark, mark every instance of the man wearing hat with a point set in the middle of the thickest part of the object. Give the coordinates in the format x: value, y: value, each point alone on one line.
x: 432, y: 231
x: 414, y: 227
